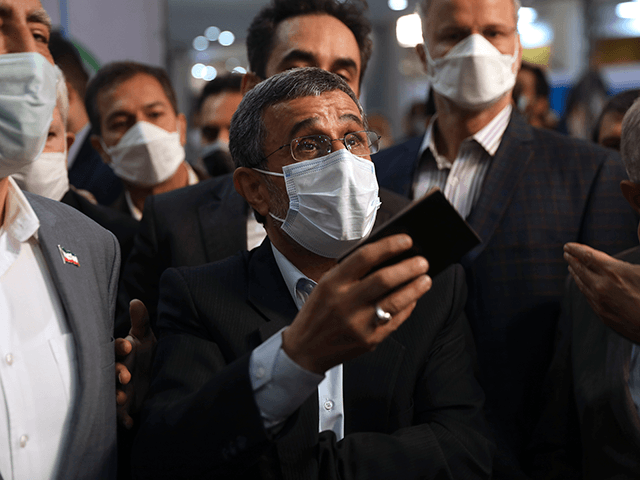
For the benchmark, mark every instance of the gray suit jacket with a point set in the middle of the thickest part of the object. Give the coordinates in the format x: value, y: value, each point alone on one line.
x: 590, y: 428
x: 88, y: 294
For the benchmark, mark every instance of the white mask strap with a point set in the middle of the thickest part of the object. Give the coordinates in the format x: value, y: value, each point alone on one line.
x: 267, y: 172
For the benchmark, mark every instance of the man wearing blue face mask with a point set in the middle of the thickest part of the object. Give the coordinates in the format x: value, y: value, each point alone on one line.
x: 58, y: 279
x: 525, y: 191
x: 281, y: 363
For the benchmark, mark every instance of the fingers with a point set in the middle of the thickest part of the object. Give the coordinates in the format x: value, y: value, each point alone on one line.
x: 588, y: 257
x: 385, y: 280
x: 124, y: 418
x: 122, y: 373
x: 140, y: 326
x: 121, y: 397
x: 360, y: 262
x: 122, y: 347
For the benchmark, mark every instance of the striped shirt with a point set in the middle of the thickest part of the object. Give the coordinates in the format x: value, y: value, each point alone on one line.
x: 460, y: 181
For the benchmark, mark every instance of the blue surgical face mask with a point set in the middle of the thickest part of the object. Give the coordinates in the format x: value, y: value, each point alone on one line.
x: 333, y: 202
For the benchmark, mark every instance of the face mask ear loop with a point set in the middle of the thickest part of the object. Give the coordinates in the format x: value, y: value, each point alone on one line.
x: 267, y: 172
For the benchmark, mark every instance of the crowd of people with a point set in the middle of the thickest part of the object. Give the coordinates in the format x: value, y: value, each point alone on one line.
x: 166, y: 318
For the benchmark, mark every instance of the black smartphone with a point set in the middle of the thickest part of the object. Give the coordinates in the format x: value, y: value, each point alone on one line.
x: 438, y: 231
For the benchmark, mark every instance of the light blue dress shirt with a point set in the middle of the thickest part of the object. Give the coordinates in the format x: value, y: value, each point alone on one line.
x: 280, y: 385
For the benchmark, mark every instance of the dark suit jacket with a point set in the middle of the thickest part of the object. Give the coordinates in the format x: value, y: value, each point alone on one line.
x: 590, y: 427
x: 88, y: 295
x: 124, y: 227
x: 89, y: 172
x: 541, y: 191
x: 191, y: 226
x: 412, y: 407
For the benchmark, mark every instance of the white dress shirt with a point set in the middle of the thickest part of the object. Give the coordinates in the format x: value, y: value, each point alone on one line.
x: 280, y: 385
x: 255, y: 231
x: 461, y: 180
x: 38, y: 369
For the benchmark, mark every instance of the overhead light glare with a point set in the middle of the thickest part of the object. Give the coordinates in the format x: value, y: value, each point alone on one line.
x: 628, y: 10
x: 240, y: 70
x: 200, y: 43
x: 409, y: 30
x: 398, y: 5
x: 198, y: 70
x: 209, y: 73
x: 527, y: 15
x: 226, y: 38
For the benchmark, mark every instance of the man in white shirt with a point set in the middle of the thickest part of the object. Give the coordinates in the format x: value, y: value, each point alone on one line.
x: 280, y: 362
x: 58, y: 279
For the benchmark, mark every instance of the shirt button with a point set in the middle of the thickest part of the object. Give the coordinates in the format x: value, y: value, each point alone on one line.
x: 9, y: 359
x: 260, y: 372
x: 23, y: 441
x: 328, y: 405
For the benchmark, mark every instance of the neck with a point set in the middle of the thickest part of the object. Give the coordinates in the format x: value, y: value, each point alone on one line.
x: 4, y: 189
x: 454, y: 124
x: 140, y: 193
x: 311, y: 265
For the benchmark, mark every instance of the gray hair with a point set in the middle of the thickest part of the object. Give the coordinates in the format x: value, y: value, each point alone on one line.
x: 630, y: 142
x: 248, y: 131
x: 423, y: 10
x: 62, y: 96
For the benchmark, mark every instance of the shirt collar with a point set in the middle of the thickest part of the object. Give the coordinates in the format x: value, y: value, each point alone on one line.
x: 291, y: 275
x: 20, y: 221
x: 489, y: 137
x: 77, y: 144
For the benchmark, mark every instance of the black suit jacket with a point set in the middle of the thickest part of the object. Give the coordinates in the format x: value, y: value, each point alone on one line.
x: 89, y: 172
x: 191, y: 226
x: 542, y: 190
x: 590, y: 427
x: 412, y: 407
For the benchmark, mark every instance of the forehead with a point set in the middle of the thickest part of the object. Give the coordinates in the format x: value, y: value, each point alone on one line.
x: 135, y: 92
x: 215, y: 104
x: 310, y: 115
x: 443, y: 13
x: 320, y: 34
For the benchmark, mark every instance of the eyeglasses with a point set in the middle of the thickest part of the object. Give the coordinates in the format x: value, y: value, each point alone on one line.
x: 315, y: 146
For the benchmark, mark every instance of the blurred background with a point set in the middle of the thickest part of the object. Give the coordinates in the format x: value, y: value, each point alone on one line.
x: 591, y: 43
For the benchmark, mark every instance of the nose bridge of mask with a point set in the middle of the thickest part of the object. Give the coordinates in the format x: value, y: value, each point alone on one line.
x: 140, y: 134
x: 476, y: 45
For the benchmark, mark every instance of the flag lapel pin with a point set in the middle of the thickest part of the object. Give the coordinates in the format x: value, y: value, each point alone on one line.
x: 68, y: 256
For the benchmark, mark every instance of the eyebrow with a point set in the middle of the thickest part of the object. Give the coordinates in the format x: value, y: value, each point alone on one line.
x: 308, y: 122
x: 39, y: 16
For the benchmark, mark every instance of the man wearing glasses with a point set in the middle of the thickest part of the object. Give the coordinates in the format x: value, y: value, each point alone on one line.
x: 281, y: 363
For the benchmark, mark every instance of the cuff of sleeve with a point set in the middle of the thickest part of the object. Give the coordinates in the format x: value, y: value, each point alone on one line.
x: 279, y: 384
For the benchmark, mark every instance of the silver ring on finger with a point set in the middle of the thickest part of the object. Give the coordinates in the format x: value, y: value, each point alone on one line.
x: 382, y: 316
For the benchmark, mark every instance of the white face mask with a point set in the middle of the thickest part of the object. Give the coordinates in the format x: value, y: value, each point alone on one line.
x: 27, y: 100
x: 333, y: 202
x: 47, y: 176
x: 474, y: 74
x: 146, y: 155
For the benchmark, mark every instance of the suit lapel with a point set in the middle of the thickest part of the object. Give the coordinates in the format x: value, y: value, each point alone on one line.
x: 500, y: 184
x: 223, y: 222
x: 66, y: 279
x: 396, y: 168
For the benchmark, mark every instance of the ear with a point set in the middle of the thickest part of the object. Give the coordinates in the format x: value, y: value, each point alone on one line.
x: 249, y: 80
x: 97, y: 145
x: 422, y: 55
x: 182, y: 126
x: 251, y: 187
x: 631, y: 192
x: 70, y: 137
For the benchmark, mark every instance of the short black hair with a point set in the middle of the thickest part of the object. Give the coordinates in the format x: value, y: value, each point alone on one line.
x: 66, y: 56
x: 224, y: 83
x: 542, y: 85
x: 262, y: 29
x: 619, y: 103
x: 114, y: 74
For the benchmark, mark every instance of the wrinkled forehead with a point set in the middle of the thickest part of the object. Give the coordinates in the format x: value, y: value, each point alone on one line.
x: 29, y: 10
